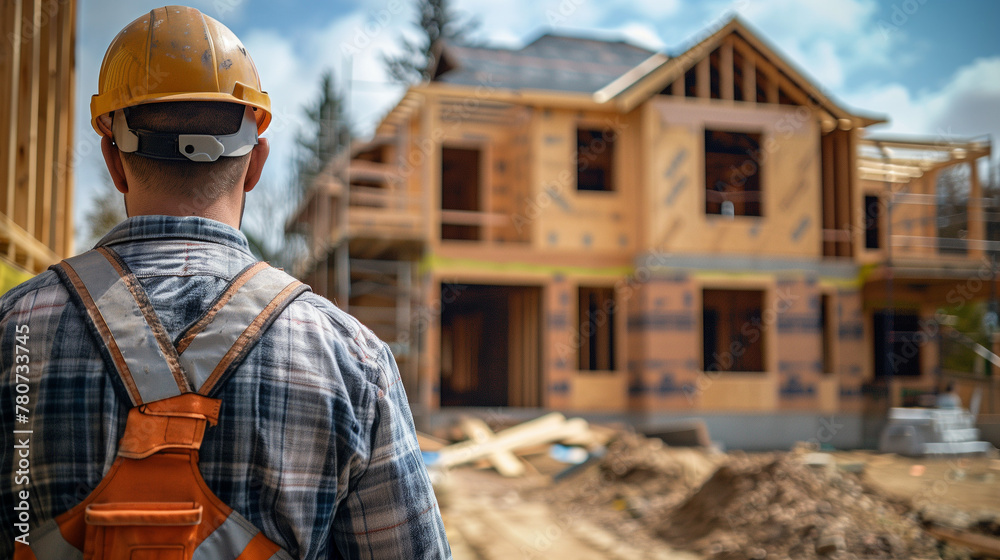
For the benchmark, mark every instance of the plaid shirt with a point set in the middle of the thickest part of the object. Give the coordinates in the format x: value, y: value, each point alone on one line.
x: 315, y: 443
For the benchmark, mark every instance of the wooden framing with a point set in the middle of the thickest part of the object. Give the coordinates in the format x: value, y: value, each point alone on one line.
x: 726, y: 69
x: 829, y: 194
x: 749, y: 78
x: 842, y: 165
x: 703, y: 83
x: 36, y: 118
x: 977, y: 231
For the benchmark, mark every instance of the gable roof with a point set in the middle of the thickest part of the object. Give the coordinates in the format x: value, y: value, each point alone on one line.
x: 633, y: 88
x: 551, y: 62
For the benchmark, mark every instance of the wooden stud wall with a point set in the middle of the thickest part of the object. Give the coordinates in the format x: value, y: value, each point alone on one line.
x: 36, y: 116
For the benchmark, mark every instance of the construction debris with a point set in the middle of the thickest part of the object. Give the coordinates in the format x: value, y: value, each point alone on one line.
x: 636, y: 497
x: 553, y: 427
x: 791, y: 510
x: 931, y: 431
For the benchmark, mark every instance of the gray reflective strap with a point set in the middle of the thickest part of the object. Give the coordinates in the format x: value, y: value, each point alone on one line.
x: 48, y: 543
x: 111, y: 302
x: 201, y: 357
x: 228, y: 540
x: 281, y: 555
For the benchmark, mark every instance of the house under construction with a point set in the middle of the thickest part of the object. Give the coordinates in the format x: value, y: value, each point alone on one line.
x: 589, y: 226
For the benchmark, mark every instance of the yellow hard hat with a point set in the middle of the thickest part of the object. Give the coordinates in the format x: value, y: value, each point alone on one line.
x: 176, y: 53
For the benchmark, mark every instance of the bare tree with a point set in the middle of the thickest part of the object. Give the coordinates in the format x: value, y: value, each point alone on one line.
x: 107, y: 212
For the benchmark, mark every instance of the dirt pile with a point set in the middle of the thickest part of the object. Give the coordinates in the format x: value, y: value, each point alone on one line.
x: 774, y: 506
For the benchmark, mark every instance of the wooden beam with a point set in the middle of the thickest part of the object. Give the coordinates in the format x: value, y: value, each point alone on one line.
x: 550, y: 428
x: 829, y: 194
x: 975, y: 208
x: 516, y: 358
x: 749, y: 79
x: 532, y: 334
x: 677, y: 87
x: 977, y: 543
x: 429, y: 119
x: 852, y: 185
x: 842, y: 187
x: 47, y: 130
x: 726, y: 79
x: 772, y: 91
x: 14, y: 89
x: 30, y: 187
x: 703, y: 81
x: 26, y: 244
x: 505, y: 462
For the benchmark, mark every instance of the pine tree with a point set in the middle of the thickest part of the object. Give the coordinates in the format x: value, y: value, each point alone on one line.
x: 436, y: 21
x: 329, y: 132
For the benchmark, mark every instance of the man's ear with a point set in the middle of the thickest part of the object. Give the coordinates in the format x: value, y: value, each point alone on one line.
x: 113, y: 159
x: 258, y: 155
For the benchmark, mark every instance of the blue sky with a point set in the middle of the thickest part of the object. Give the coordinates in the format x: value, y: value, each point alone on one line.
x: 932, y: 67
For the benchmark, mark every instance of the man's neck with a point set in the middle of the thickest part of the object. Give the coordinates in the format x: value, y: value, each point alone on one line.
x: 221, y: 210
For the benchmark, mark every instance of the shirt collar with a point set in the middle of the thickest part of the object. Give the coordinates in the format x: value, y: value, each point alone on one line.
x: 151, y: 228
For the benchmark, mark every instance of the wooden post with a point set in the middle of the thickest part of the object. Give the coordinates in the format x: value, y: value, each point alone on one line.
x: 703, y: 78
x: 29, y: 189
x: 431, y: 168
x: 343, y: 278
x: 829, y: 193
x: 852, y: 185
x: 749, y: 79
x: 975, y: 211
x: 10, y: 158
x: 841, y: 150
x: 726, y: 80
x: 772, y: 90
x: 67, y: 71
x: 43, y: 211
x: 677, y: 87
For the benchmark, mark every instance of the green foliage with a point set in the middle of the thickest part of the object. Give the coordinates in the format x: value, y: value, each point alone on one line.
x: 436, y: 21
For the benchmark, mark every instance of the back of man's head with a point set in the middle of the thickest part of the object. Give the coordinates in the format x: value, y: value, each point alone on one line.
x: 181, y: 177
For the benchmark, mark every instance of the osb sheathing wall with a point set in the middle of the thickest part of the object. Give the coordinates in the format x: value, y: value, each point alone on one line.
x: 665, y: 332
x: 36, y: 119
x: 584, y: 221
x: 789, y: 161
x: 852, y: 349
x: 664, y: 344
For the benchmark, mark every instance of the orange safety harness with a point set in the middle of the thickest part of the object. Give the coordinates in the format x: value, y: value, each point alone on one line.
x: 153, y: 503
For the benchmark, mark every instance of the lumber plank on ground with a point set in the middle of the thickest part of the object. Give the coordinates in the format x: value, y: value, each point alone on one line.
x: 978, y: 543
x: 549, y: 428
x: 505, y: 462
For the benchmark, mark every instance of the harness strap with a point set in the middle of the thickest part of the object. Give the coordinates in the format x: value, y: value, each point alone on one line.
x: 122, y: 314
x: 217, y: 342
x: 152, y: 368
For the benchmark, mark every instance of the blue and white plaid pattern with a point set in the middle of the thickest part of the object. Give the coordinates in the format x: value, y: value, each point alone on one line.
x: 315, y: 443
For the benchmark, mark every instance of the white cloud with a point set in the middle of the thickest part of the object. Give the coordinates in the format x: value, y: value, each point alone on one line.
x: 642, y: 35
x: 655, y: 9
x: 829, y: 39
x: 965, y: 107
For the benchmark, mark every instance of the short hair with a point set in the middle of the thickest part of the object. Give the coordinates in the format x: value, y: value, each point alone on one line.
x: 207, y: 180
